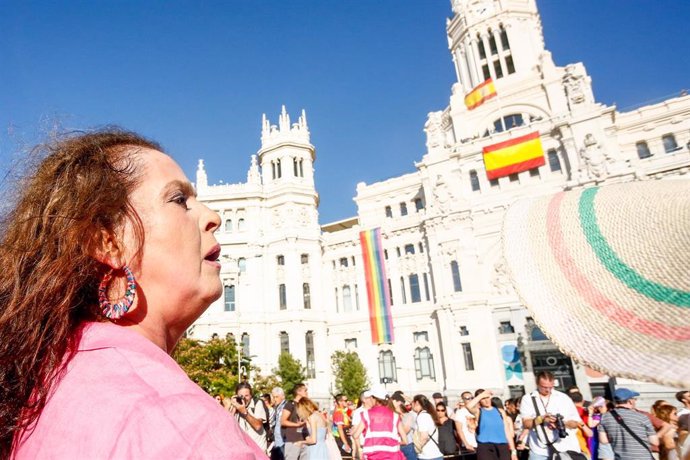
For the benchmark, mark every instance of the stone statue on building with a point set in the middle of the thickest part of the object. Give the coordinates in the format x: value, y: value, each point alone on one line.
x: 443, y: 197
x: 577, y: 86
x: 593, y: 159
x: 435, y: 134
x: 501, y: 282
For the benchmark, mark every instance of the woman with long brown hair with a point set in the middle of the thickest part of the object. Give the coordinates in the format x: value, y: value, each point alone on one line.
x: 107, y: 258
x: 427, y: 426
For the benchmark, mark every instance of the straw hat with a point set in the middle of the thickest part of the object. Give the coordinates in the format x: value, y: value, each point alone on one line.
x: 606, y: 273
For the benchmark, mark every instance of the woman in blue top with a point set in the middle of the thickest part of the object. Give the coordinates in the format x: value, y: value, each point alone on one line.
x: 494, y: 429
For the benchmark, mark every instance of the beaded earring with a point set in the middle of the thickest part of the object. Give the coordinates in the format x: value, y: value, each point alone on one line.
x: 117, y: 310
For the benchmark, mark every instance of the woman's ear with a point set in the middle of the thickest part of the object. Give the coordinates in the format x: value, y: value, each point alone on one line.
x: 107, y: 249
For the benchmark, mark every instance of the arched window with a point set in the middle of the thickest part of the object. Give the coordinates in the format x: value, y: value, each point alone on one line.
x: 554, y: 161
x: 347, y: 299
x: 229, y: 292
x: 415, y: 293
x: 387, y: 369
x: 311, y: 362
x: 228, y: 225
x: 245, y: 344
x: 504, y: 39
x: 284, y: 342
x: 242, y: 264
x: 402, y: 290
x: 508, y: 122
x: 474, y: 181
x: 304, y: 259
x: 240, y: 225
x: 670, y: 144
x: 480, y: 47
x: 306, y: 296
x: 455, y: 272
x: 282, y: 297
x: 389, y: 211
x: 403, y: 209
x: 424, y: 364
x: 643, y: 150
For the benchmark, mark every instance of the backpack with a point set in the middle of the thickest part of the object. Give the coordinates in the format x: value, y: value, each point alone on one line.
x: 267, y: 423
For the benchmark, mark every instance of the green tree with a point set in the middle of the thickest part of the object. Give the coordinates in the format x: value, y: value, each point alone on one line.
x: 264, y: 384
x: 349, y: 373
x: 212, y: 365
x: 290, y: 371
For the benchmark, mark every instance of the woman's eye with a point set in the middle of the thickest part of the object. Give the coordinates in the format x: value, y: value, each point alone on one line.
x: 181, y: 200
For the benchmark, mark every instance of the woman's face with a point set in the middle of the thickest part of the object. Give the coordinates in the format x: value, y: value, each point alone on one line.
x: 485, y: 402
x: 178, y: 273
x: 416, y: 406
x: 441, y: 411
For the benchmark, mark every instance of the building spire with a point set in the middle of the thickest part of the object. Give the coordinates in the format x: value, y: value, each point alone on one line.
x: 201, y: 178
x: 284, y: 132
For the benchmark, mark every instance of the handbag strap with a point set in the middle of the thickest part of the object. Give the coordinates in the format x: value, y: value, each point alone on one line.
x: 617, y: 417
x: 431, y: 436
x: 548, y: 443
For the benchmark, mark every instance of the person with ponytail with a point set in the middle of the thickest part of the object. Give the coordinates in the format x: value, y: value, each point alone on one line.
x: 427, y: 426
x: 107, y: 258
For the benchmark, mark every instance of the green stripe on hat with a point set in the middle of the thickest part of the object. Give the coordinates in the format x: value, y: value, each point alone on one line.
x: 608, y: 257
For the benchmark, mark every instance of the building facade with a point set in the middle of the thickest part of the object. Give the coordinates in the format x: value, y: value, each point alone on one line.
x: 293, y: 284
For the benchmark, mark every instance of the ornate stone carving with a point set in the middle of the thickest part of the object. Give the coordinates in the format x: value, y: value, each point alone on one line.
x: 574, y: 81
x: 593, y: 159
x: 501, y: 281
x: 304, y: 218
x: 443, y: 197
x: 276, y: 218
x: 435, y: 128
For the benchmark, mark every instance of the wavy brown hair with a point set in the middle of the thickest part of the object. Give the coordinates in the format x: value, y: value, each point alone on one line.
x: 49, y: 277
x: 427, y: 406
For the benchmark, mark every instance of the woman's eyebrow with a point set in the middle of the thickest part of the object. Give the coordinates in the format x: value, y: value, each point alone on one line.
x: 183, y: 186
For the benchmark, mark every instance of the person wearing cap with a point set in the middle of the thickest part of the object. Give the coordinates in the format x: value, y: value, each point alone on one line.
x: 438, y: 398
x: 382, y: 429
x: 630, y: 433
x: 540, y: 410
x: 365, y: 402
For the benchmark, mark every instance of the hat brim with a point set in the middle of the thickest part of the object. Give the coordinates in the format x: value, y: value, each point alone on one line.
x: 605, y: 273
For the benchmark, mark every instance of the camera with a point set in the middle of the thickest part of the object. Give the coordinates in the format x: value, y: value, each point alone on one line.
x: 560, y: 426
x: 239, y: 400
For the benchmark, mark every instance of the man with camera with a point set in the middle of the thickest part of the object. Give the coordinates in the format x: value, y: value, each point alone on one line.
x: 552, y: 418
x: 251, y: 413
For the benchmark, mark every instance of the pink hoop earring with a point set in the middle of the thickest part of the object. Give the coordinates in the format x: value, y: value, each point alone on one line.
x: 117, y: 310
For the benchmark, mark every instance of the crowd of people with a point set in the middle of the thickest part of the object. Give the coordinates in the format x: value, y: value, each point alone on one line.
x: 544, y: 424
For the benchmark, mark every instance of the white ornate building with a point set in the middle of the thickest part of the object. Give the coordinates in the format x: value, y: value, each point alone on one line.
x: 295, y: 284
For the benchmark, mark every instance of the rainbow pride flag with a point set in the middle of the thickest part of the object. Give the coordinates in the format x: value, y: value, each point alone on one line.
x: 380, y: 318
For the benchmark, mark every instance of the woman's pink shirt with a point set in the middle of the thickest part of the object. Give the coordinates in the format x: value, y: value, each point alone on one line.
x: 122, y: 397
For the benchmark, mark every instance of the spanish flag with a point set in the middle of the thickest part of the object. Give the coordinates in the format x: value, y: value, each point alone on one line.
x: 481, y: 93
x: 513, y: 156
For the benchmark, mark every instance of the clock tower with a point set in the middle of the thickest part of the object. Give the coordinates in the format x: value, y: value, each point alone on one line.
x: 492, y: 39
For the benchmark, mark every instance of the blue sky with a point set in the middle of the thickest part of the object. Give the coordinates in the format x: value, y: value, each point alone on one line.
x: 196, y: 76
